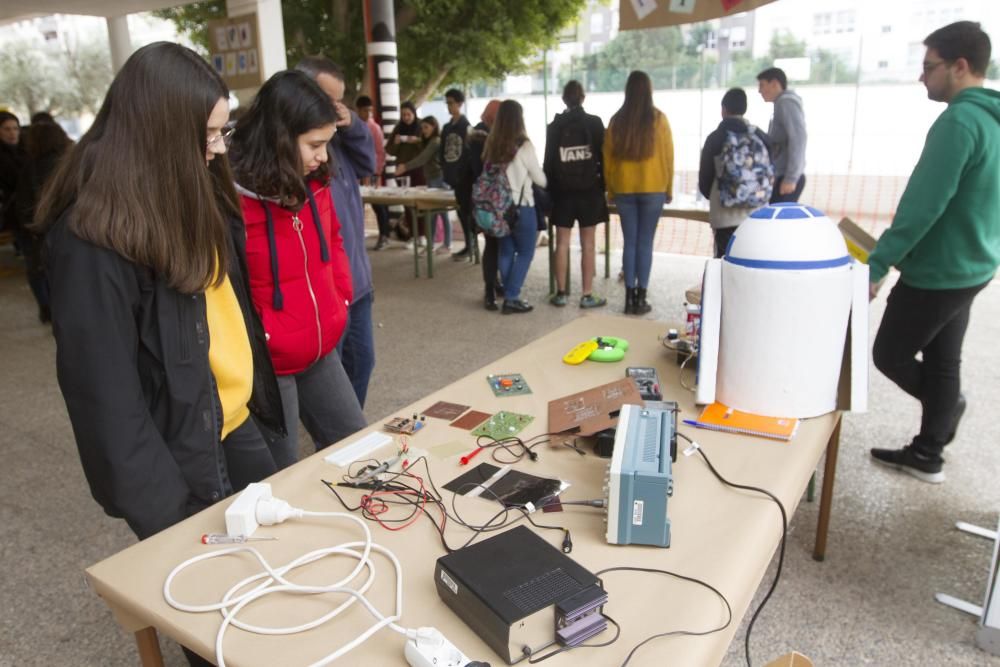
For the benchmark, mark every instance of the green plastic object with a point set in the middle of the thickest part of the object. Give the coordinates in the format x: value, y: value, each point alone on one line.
x: 609, y: 349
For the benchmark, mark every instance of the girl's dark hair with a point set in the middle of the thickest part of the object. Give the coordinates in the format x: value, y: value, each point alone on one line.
x: 45, y: 139
x: 507, y: 133
x: 433, y: 122
x: 265, y: 146
x: 406, y: 129
x: 633, y: 125
x: 6, y: 115
x: 137, y: 181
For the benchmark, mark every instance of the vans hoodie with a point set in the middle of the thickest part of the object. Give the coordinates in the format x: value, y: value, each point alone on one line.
x: 946, y: 231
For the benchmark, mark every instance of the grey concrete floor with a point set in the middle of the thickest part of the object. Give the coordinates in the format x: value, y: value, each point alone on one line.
x: 892, y: 538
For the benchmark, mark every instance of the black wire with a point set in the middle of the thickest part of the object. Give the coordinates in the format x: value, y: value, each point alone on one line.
x: 564, y: 649
x: 781, y: 551
x: 693, y: 633
x: 517, y: 448
x: 393, y: 482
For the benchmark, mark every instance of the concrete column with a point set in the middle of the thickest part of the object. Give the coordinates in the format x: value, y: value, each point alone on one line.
x: 270, y: 31
x: 119, y: 40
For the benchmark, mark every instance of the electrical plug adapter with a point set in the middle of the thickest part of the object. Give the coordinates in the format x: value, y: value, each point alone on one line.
x: 241, y: 515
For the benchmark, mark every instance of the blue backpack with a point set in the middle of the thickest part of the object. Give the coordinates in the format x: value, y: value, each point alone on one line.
x: 493, y: 202
x: 747, y: 174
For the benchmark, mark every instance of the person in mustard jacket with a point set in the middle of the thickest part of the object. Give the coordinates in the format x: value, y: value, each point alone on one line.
x: 639, y: 173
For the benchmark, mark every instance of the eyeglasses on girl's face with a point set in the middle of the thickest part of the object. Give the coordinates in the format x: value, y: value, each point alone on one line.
x: 223, y: 136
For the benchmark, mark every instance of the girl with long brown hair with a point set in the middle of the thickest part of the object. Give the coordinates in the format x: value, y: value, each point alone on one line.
x: 639, y: 173
x: 508, y: 144
x: 160, y: 356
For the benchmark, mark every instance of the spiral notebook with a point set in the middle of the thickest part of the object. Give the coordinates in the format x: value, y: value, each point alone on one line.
x: 718, y: 417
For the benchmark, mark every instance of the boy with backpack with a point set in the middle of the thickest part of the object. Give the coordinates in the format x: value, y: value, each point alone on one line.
x: 575, y: 174
x: 736, y: 174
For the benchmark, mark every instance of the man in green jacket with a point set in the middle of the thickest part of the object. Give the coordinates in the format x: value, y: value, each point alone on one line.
x: 945, y: 241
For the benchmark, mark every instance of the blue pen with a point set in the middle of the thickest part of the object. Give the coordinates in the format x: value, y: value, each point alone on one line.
x: 691, y: 422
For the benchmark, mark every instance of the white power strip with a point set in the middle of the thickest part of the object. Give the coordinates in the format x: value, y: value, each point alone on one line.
x: 241, y: 515
x: 430, y: 648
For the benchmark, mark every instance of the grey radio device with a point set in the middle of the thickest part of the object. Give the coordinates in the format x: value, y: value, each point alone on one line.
x: 640, y: 475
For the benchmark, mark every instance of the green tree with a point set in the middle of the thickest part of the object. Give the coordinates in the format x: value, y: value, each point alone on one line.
x: 660, y: 52
x: 65, y: 81
x: 828, y: 67
x: 454, y: 41
x: 784, y: 45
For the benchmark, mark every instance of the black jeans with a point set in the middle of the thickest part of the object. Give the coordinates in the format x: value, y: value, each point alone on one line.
x: 793, y: 196
x: 490, y: 264
x: 722, y: 237
x: 248, y: 458
x: 382, y: 218
x: 932, y: 322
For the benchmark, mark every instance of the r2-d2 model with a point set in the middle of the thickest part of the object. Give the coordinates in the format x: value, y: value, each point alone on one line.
x: 784, y: 318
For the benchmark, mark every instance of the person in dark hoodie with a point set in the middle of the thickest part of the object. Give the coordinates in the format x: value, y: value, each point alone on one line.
x: 353, y: 159
x: 945, y: 241
x: 788, y: 135
x: 11, y: 158
x: 300, y: 277
x: 45, y: 143
x: 755, y: 180
x: 573, y: 151
x: 454, y: 159
x: 476, y: 142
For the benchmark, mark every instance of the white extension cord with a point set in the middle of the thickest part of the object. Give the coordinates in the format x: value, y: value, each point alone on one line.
x: 269, y: 511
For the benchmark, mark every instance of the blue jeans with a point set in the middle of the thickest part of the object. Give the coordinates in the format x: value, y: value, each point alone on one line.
x: 443, y: 217
x: 639, y: 213
x: 357, y: 346
x: 516, y: 251
x: 323, y: 398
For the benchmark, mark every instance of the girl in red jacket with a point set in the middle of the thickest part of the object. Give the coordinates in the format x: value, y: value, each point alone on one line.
x: 300, y: 278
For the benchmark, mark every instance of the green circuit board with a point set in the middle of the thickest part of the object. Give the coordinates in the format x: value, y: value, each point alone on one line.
x: 508, y: 384
x: 503, y: 425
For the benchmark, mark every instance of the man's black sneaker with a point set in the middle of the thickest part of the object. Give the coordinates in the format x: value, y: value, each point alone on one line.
x: 462, y: 254
x: 923, y: 467
x: 514, y: 306
x: 960, y: 406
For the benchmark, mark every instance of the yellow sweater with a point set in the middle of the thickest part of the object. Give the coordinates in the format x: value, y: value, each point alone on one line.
x: 654, y: 174
x: 229, y: 354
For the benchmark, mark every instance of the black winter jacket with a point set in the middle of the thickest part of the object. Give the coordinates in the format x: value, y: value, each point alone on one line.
x: 132, y: 362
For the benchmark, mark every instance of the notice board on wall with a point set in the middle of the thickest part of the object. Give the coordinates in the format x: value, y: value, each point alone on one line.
x: 639, y: 14
x: 234, y: 51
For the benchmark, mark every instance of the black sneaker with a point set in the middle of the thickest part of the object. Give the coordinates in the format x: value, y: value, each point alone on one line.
x: 924, y: 467
x: 957, y: 417
x: 462, y: 254
x: 490, y: 304
x: 511, y: 306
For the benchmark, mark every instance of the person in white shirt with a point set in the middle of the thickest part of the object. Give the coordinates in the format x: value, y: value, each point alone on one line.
x: 508, y: 144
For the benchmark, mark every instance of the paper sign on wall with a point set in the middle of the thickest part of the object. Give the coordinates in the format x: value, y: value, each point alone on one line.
x: 682, y: 6
x: 644, y: 8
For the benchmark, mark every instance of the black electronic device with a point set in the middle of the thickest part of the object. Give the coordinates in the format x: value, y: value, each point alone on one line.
x: 520, y: 594
x: 604, y: 443
x: 647, y: 381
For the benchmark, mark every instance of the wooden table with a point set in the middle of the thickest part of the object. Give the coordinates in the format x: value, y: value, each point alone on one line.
x: 419, y: 202
x: 720, y: 535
